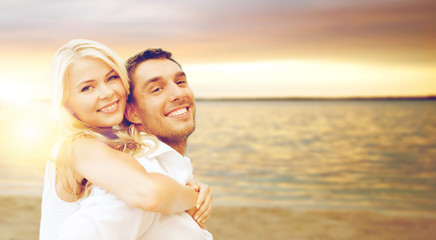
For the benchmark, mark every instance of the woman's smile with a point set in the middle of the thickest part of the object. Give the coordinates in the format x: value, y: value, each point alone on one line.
x: 103, y: 101
x: 110, y: 108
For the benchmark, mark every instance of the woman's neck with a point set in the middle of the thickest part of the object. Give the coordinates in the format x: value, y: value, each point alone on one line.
x: 108, y: 132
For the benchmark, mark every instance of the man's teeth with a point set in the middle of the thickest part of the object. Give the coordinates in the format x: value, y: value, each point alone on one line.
x: 109, y: 108
x: 178, y: 112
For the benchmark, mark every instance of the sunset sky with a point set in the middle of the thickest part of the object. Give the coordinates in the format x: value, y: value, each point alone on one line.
x: 236, y: 48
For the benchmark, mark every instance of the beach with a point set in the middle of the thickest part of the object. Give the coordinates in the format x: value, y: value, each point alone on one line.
x: 19, y: 219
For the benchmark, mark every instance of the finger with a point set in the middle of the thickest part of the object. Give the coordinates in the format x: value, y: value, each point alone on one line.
x: 204, y: 211
x: 205, y: 217
x: 202, y: 225
x: 190, y: 182
x: 199, y: 214
x: 204, y: 190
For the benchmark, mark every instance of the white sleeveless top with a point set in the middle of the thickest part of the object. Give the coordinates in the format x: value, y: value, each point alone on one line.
x: 54, y: 210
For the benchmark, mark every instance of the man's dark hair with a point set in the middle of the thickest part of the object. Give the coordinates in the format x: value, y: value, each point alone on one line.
x: 148, y: 54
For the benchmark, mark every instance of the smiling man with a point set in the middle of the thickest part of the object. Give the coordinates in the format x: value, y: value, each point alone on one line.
x: 161, y: 102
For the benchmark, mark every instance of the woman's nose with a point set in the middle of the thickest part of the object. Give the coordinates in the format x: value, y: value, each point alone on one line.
x: 105, y: 91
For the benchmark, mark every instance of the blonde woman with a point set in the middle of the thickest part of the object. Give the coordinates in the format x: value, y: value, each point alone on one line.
x: 90, y: 89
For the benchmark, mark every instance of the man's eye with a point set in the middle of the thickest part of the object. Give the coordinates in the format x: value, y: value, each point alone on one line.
x: 181, y: 82
x: 155, y: 90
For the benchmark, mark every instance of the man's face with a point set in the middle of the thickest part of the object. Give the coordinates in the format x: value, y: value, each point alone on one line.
x: 164, y: 102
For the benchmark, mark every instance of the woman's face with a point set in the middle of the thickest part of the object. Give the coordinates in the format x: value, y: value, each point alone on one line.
x: 96, y: 95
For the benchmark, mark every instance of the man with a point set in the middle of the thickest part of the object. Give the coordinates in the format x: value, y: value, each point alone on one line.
x: 161, y: 104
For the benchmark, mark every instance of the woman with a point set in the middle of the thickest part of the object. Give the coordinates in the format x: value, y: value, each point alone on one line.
x: 90, y: 89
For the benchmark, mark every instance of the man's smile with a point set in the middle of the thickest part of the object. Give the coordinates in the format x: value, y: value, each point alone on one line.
x: 177, y: 112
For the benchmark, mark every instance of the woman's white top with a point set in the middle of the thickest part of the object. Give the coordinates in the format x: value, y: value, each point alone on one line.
x: 102, y: 215
x: 54, y: 210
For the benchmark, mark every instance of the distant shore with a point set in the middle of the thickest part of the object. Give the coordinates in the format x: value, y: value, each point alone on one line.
x: 290, y: 98
x: 19, y: 219
x: 386, y: 98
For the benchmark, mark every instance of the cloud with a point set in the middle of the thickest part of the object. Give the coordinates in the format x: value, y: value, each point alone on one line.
x: 386, y: 35
x: 228, y: 30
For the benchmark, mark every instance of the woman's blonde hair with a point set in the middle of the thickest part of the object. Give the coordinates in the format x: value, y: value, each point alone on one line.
x: 69, y: 127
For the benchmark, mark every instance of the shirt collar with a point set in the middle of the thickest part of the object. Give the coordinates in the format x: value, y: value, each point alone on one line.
x: 159, y: 148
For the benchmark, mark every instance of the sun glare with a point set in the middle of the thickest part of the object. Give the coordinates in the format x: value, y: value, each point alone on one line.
x: 31, y: 133
x: 17, y: 93
x: 31, y: 129
x: 22, y: 92
x: 26, y: 132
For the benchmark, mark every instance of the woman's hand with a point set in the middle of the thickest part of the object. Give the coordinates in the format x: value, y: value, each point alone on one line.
x: 203, y: 208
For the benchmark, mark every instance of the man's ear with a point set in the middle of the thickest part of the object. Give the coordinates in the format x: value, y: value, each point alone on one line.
x: 131, y: 114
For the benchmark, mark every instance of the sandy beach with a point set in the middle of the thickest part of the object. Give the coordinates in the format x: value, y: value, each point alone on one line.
x: 19, y: 219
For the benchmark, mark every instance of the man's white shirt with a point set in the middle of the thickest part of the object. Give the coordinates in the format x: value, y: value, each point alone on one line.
x: 103, y: 216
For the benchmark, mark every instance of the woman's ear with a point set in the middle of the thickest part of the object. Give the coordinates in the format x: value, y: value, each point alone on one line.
x: 131, y: 114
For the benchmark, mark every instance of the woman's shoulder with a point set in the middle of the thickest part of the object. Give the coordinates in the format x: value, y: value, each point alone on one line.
x: 88, y: 143
x: 85, y: 147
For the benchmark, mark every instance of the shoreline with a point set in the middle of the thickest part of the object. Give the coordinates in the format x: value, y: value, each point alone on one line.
x: 430, y: 97
x: 20, y: 215
x: 314, y: 98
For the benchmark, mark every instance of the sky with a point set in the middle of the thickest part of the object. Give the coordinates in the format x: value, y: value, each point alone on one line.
x: 256, y: 48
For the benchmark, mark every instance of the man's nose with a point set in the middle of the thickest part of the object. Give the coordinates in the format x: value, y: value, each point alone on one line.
x: 175, y: 93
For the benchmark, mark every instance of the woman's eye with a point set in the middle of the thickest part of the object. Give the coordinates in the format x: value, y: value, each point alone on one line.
x: 86, y: 89
x: 114, y: 77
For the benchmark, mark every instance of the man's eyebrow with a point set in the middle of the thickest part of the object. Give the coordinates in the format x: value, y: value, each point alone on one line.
x: 180, y: 74
x: 151, y: 80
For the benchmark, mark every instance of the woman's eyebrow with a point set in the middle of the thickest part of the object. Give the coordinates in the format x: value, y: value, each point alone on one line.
x: 109, y: 73
x: 80, y: 84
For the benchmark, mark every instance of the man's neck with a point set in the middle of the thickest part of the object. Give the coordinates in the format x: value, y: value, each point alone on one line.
x: 179, y: 149
x: 178, y: 145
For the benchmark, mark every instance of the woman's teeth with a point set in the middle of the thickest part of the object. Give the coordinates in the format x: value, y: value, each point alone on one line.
x: 109, y: 108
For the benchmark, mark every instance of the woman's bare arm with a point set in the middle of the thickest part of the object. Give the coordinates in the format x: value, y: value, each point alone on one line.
x: 122, y: 175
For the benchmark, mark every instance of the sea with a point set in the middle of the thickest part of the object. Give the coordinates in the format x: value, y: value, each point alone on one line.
x: 368, y: 155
